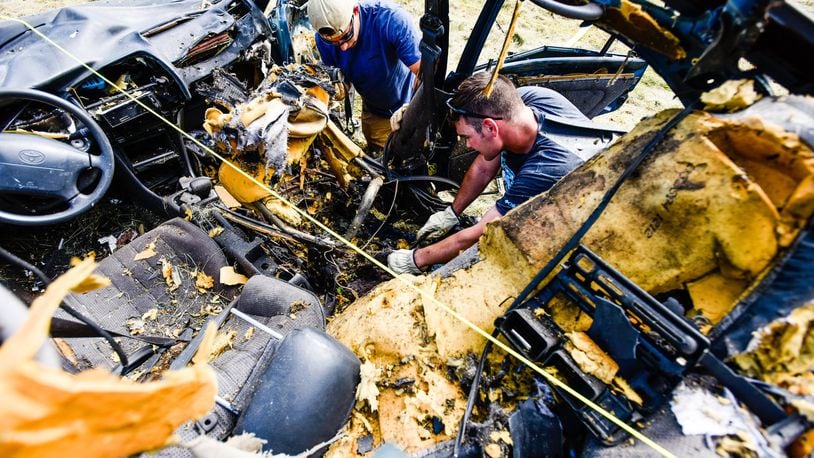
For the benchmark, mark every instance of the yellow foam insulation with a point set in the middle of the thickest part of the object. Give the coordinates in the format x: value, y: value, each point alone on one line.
x: 306, y: 118
x: 692, y: 211
x: 49, y: 412
x: 493, y: 449
x: 214, y: 120
x: 367, y: 391
x: 241, y: 188
x: 590, y: 358
x: 777, y: 162
x: 258, y: 107
x: 714, y: 295
x: 307, y: 122
x: 621, y: 385
x: 692, y: 218
x: 283, y: 210
x: 733, y: 95
x: 215, y: 231
x: 227, y: 199
x: 804, y: 408
x: 783, y: 352
x: 388, y: 328
x: 229, y: 277
x: 339, y: 151
x: 147, y: 253
x: 739, y: 445
x: 203, y: 281
x: 224, y: 340
x: 630, y: 20
x: 479, y: 301
x: 304, y: 123
x: 803, y: 446
x: 311, y: 115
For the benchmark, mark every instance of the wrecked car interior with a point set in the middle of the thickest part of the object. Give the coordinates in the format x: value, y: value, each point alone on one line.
x: 195, y: 239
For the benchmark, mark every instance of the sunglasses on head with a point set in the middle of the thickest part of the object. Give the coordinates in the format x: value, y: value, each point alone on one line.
x: 344, y: 38
x: 461, y: 112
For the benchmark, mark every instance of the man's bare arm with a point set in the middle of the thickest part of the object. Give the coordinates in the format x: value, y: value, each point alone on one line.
x: 477, y: 177
x: 415, y: 67
x: 449, y: 247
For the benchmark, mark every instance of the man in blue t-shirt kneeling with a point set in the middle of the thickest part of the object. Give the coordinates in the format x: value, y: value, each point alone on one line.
x: 508, y: 130
x: 375, y: 44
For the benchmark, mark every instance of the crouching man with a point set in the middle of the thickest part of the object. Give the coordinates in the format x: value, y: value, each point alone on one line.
x: 508, y: 130
x: 375, y: 44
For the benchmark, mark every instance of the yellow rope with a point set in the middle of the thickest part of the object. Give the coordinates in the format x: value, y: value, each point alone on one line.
x: 487, y: 91
x: 51, y: 135
x: 550, y: 378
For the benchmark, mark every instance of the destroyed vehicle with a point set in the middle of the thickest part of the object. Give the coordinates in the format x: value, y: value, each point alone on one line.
x: 408, y: 367
x: 177, y: 59
x: 164, y: 54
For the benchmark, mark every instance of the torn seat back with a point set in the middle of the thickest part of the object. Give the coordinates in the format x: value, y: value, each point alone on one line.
x: 305, y: 395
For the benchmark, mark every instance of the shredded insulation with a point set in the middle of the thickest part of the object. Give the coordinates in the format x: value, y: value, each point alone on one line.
x: 783, y: 352
x: 49, y: 412
x: 707, y: 213
x: 630, y: 20
x: 733, y: 95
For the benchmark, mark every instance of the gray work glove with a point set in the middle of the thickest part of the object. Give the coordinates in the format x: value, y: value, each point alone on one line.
x: 395, y: 120
x: 403, y: 262
x: 438, y: 224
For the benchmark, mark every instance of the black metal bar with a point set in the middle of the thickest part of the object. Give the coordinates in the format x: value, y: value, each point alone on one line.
x: 474, y: 45
x: 760, y: 404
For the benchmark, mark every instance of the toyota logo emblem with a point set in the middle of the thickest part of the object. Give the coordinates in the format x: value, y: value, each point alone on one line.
x: 32, y: 157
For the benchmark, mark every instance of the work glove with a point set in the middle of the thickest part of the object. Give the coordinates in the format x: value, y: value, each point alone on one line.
x: 403, y: 262
x: 438, y: 224
x: 395, y: 120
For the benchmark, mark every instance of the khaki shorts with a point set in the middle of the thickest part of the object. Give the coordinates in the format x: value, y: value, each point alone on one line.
x: 376, y: 129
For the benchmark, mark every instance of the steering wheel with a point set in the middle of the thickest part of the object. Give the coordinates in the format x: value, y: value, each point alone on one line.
x: 33, y: 166
x: 587, y: 12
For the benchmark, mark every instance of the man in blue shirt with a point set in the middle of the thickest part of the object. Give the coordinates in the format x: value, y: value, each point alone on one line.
x: 375, y: 44
x: 508, y: 130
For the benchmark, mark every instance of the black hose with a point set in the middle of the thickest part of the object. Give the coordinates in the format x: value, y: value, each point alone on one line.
x: 386, y: 155
x: 473, y: 393
x: 13, y: 259
x: 586, y: 12
x: 473, y: 390
x: 179, y: 119
x: 386, y: 217
x: 370, y: 166
x: 372, y: 163
x: 429, y: 202
x: 412, y: 178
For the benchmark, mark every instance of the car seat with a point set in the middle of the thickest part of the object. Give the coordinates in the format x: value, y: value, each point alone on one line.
x: 156, y: 295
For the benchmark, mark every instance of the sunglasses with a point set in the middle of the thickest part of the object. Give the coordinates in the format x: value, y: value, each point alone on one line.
x: 457, y: 112
x: 344, y: 38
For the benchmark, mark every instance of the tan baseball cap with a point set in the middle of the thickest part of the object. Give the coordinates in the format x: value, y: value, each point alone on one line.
x: 330, y: 14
